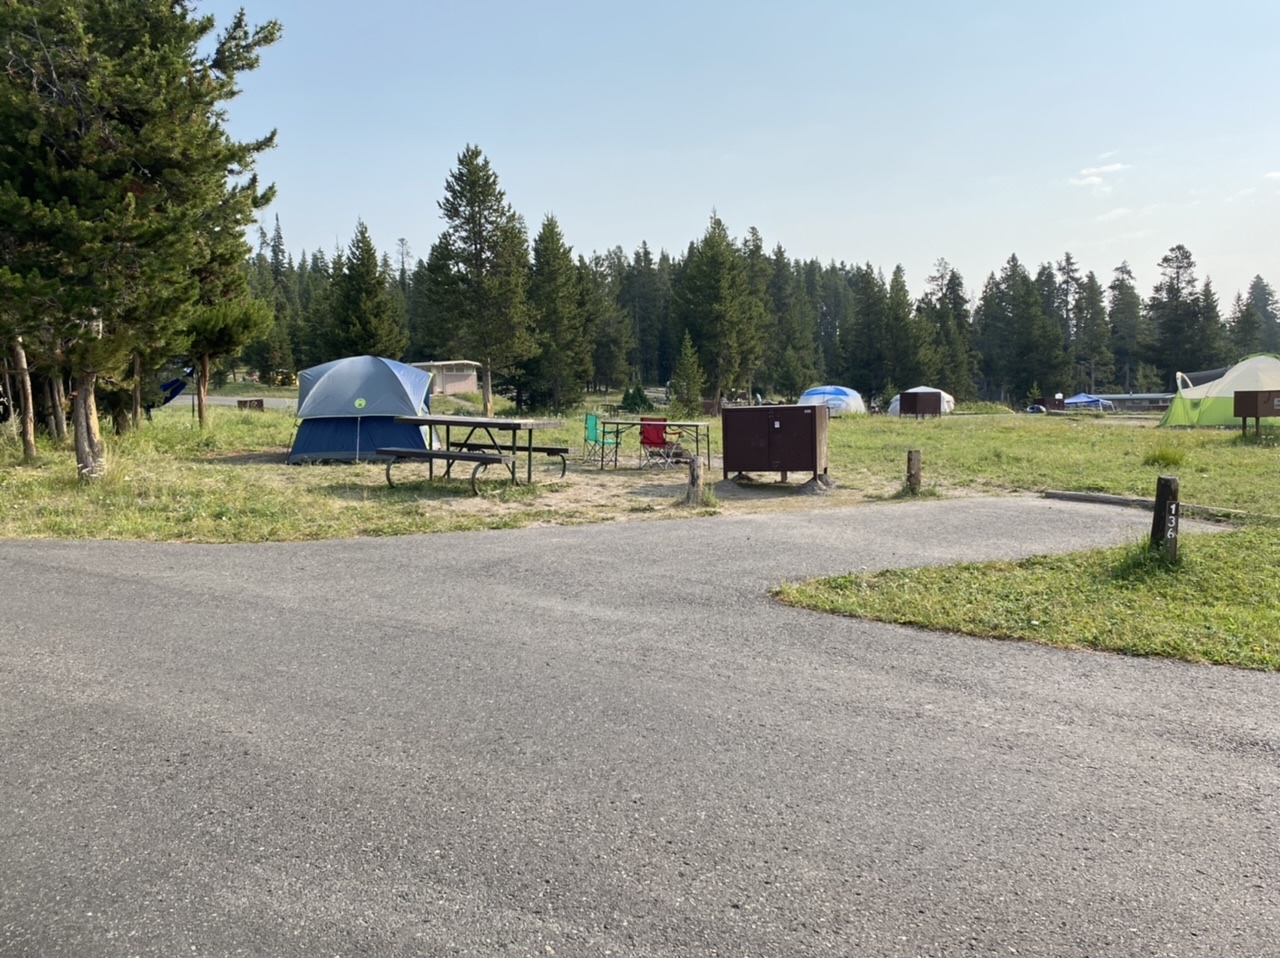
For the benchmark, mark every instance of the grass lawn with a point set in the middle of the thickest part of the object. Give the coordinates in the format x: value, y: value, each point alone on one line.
x: 1215, y: 605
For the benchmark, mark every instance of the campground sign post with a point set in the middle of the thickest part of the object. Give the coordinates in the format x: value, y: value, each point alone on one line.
x: 1164, y: 524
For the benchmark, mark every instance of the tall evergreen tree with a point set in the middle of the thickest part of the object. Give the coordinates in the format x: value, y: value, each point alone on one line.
x: 865, y: 348
x: 914, y: 357
x: 789, y: 366
x: 1263, y: 299
x: 645, y: 296
x: 115, y: 195
x: 1211, y: 331
x: 715, y: 305
x: 605, y: 323
x: 1132, y: 339
x: 1093, y: 334
x: 1246, y: 328
x: 555, y: 376
x: 488, y: 252
x: 363, y: 317
x: 1175, y: 312
x: 945, y: 308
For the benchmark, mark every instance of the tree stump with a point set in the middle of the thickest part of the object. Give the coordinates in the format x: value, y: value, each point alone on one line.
x: 913, y: 470
x: 693, y: 494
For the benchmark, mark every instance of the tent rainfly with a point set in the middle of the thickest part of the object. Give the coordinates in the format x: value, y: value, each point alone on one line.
x: 895, y: 404
x: 837, y: 399
x: 347, y: 409
x: 1213, y: 403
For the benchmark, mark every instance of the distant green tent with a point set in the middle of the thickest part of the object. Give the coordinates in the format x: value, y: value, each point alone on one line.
x: 1213, y: 404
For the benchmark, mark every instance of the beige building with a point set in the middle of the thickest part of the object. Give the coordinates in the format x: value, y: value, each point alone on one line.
x: 449, y: 377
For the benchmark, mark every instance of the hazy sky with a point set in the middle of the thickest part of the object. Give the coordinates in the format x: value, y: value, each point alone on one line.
x: 885, y: 133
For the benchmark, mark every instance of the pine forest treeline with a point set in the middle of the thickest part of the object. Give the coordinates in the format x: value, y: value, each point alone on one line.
x: 551, y: 326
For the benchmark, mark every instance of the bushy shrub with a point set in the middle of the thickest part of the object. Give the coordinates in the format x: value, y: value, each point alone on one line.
x: 634, y: 400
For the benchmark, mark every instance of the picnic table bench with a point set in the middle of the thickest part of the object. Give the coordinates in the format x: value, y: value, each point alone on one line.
x: 483, y: 460
x: 561, y: 451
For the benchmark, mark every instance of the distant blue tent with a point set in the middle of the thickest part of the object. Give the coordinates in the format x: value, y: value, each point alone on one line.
x: 1085, y: 401
x: 838, y: 399
x: 347, y: 409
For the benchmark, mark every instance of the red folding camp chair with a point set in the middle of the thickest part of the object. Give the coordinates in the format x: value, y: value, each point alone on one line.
x: 657, y: 443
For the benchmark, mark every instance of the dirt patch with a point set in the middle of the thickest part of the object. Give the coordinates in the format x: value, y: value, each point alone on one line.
x: 590, y: 494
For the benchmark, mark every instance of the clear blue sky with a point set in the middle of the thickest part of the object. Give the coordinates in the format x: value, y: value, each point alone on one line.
x: 885, y: 133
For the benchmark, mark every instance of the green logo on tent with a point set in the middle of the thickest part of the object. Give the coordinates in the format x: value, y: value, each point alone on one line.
x: 359, y: 403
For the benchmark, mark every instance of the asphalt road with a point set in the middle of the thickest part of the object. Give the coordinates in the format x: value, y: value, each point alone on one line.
x: 607, y: 740
x: 270, y: 402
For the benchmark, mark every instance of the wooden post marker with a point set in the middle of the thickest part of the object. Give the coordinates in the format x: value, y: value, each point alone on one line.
x: 1164, y: 524
x: 913, y: 470
x: 693, y: 495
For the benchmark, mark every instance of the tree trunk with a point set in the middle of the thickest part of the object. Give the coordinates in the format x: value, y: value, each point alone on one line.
x: 59, y: 398
x: 7, y: 384
x: 487, y: 392
x: 137, y: 392
x: 84, y: 418
x: 25, y: 401
x: 49, y: 404
x: 202, y: 388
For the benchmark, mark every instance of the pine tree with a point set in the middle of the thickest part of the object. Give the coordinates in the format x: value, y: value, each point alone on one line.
x: 945, y: 308
x: 687, y: 382
x: 714, y: 303
x: 1175, y: 312
x: 1246, y: 328
x: 223, y: 330
x: 1093, y: 334
x: 605, y: 324
x: 488, y: 254
x: 1211, y: 331
x: 789, y: 355
x: 363, y: 318
x: 555, y: 376
x: 114, y: 190
x: 1263, y: 298
x: 864, y: 344
x: 1131, y: 334
x: 913, y: 353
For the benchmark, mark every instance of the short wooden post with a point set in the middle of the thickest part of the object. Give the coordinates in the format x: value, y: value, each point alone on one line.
x: 913, y: 470
x: 1164, y: 524
x: 693, y: 495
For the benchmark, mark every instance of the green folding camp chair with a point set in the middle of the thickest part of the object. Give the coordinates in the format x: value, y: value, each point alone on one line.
x: 595, y: 444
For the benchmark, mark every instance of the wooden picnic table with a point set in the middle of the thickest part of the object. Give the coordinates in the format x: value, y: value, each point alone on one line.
x: 460, y: 431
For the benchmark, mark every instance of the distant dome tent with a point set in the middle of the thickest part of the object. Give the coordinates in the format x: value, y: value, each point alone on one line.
x: 347, y: 409
x: 1213, y: 403
x: 837, y: 399
x: 895, y: 404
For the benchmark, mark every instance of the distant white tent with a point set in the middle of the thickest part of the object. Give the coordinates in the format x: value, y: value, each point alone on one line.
x: 948, y: 401
x: 837, y: 399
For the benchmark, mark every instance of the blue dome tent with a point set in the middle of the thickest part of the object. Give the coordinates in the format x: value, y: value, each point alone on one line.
x: 838, y: 399
x: 347, y: 409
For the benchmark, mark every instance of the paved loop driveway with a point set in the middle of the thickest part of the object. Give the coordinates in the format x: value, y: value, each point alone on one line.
x: 607, y: 740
